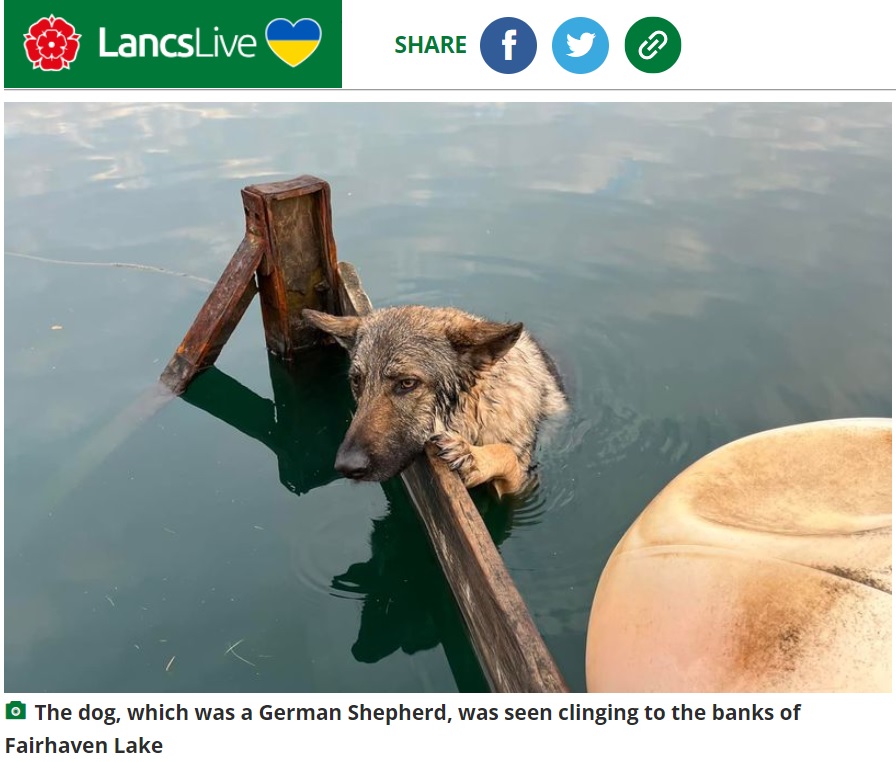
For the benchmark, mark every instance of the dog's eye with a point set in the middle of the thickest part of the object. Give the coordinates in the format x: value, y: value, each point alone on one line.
x: 406, y: 385
x: 355, y: 381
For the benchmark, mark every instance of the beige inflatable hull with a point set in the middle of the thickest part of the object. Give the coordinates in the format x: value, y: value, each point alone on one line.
x: 765, y: 566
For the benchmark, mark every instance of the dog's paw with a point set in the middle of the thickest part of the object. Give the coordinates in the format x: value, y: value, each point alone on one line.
x: 458, y: 455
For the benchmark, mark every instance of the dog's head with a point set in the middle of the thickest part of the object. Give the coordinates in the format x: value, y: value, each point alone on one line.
x: 410, y: 367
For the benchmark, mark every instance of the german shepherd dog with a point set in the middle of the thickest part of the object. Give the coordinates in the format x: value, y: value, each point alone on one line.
x: 477, y: 390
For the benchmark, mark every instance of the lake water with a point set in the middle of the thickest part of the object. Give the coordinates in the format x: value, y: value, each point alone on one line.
x: 700, y: 272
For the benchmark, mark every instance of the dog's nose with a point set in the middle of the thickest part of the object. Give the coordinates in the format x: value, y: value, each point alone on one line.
x: 352, y: 462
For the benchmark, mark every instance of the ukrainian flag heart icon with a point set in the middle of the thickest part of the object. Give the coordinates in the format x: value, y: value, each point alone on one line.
x: 293, y: 43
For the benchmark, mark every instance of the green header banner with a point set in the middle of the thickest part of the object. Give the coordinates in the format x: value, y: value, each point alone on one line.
x: 168, y: 44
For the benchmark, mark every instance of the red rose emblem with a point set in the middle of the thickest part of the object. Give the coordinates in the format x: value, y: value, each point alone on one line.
x: 51, y: 44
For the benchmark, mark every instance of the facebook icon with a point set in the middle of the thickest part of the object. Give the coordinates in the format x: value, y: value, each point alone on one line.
x: 508, y: 45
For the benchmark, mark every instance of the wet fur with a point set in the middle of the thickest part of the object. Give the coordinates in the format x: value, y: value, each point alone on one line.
x: 483, y: 388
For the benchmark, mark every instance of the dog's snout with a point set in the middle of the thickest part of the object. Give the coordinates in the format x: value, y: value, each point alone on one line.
x: 352, y: 462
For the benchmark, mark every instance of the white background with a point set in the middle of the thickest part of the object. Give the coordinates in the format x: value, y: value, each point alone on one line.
x: 829, y: 728
x: 762, y: 44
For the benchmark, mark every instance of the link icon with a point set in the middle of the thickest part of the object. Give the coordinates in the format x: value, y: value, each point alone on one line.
x: 653, y: 45
x: 657, y: 41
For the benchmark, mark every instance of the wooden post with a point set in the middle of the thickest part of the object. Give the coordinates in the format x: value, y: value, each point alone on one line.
x: 289, y: 247
x: 299, y: 267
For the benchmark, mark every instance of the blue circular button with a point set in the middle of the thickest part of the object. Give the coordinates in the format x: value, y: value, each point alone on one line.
x: 580, y: 45
x: 508, y: 45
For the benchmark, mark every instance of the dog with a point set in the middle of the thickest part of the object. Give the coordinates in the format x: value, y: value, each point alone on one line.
x: 476, y: 389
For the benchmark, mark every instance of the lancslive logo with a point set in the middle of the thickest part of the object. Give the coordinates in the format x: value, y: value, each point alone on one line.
x: 143, y: 45
x: 51, y: 44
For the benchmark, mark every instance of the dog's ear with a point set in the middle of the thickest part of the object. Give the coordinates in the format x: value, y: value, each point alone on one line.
x: 343, y: 329
x: 482, y: 341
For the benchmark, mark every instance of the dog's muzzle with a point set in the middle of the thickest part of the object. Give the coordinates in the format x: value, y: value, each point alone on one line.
x: 352, y: 461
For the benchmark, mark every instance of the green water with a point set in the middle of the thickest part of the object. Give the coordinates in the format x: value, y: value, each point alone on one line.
x: 700, y: 272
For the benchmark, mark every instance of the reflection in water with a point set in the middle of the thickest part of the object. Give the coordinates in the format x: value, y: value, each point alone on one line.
x: 407, y: 602
x: 302, y: 426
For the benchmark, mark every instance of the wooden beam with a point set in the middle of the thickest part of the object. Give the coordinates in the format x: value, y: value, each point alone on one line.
x: 510, y: 649
x: 223, y: 309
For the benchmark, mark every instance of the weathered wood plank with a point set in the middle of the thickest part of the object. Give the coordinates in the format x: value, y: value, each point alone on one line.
x: 223, y: 309
x: 300, y: 267
x: 510, y: 649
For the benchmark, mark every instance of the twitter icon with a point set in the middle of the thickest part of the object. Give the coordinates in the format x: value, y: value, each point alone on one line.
x: 580, y: 45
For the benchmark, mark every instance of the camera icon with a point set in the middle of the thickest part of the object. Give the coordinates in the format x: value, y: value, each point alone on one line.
x: 15, y: 710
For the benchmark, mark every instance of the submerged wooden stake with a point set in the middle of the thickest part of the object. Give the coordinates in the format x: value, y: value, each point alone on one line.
x: 289, y: 248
